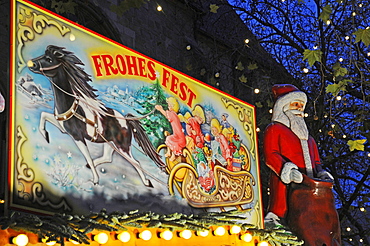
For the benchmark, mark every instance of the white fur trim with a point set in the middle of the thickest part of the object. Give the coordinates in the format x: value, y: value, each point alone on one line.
x: 307, y: 158
x: 287, y: 170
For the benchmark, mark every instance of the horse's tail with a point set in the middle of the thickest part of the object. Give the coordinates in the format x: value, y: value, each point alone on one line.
x: 144, y: 142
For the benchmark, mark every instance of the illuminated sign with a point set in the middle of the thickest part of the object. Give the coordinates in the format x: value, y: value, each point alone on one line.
x: 97, y: 125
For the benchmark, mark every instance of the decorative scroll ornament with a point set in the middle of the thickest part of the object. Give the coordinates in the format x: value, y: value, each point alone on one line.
x: 31, y: 23
x: 27, y: 188
x: 246, y: 117
x: 233, y: 188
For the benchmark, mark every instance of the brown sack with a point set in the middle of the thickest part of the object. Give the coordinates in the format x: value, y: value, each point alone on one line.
x: 311, y: 213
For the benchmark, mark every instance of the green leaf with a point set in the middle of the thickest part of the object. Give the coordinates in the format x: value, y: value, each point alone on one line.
x: 240, y: 66
x: 203, y: 71
x: 363, y: 35
x: 338, y: 70
x: 356, y: 144
x: 64, y: 7
x: 336, y: 88
x: 259, y: 105
x: 213, y: 8
x: 243, y: 79
x: 123, y: 6
x: 325, y: 14
x: 270, y: 103
x: 252, y: 66
x: 312, y: 56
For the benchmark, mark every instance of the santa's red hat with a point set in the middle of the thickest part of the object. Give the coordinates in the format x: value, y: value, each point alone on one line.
x: 287, y: 93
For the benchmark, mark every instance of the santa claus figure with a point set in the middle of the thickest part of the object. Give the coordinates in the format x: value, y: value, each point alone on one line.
x: 289, y: 150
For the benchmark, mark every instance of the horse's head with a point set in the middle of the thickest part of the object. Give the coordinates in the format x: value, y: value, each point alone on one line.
x: 49, y: 63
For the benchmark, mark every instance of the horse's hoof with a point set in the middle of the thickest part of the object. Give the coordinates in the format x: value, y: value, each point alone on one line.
x: 47, y: 137
x: 150, y: 185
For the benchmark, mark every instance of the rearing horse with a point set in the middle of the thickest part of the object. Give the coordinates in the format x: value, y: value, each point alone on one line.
x: 79, y: 113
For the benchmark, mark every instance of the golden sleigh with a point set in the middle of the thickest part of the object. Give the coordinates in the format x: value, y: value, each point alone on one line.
x: 219, y: 187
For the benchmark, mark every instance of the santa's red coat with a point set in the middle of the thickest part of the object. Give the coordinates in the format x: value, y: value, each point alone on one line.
x: 281, y: 145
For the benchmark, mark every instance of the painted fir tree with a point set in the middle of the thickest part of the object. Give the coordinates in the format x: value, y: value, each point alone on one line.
x: 155, y: 124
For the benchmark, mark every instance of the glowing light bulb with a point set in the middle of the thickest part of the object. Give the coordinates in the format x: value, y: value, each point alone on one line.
x: 202, y: 233
x: 101, y: 238
x: 270, y: 111
x: 305, y: 70
x: 235, y: 229
x: 328, y: 22
x: 220, y: 231
x: 166, y: 235
x: 185, y: 234
x: 306, y: 115
x: 339, y: 98
x: 20, y: 240
x: 188, y: 47
x: 145, y: 235
x: 124, y: 236
x: 256, y: 91
x: 246, y: 41
x: 353, y: 13
x: 348, y: 229
x: 347, y: 37
x: 344, y: 136
x: 362, y: 209
x: 217, y: 74
x: 247, y: 237
x: 50, y: 243
x: 263, y: 243
x: 159, y: 8
x: 340, y: 59
x: 258, y: 129
x: 73, y: 241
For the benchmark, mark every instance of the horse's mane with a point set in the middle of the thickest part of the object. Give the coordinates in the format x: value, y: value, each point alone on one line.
x: 77, y: 77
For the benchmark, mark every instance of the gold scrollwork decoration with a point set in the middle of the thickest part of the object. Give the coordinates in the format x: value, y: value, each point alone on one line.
x: 40, y: 198
x: 31, y: 23
x: 232, y: 189
x: 246, y: 117
x: 24, y: 172
x: 26, y: 175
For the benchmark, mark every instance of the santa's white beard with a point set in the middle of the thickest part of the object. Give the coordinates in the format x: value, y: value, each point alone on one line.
x: 297, y: 123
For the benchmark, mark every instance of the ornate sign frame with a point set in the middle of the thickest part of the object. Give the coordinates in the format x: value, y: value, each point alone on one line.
x: 94, y: 124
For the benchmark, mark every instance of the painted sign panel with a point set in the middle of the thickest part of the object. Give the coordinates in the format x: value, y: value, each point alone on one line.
x: 97, y: 125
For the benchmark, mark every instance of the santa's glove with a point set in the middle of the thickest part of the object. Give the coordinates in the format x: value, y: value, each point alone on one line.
x: 290, y: 173
x: 325, y: 175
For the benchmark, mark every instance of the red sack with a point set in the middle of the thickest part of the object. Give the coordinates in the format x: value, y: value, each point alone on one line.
x: 311, y: 213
